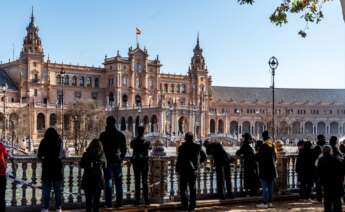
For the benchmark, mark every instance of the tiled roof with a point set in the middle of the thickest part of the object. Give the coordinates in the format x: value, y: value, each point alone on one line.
x: 4, y: 78
x: 287, y: 95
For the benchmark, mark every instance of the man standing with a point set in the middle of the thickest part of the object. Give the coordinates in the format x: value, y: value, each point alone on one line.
x: 3, y: 167
x: 114, y: 145
x: 331, y: 175
x: 317, y: 153
x: 140, y: 161
x: 189, y: 157
x: 222, y: 162
x: 266, y: 158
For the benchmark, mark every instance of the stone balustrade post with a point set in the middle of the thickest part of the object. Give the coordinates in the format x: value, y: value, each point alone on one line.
x: 158, y: 184
x: 282, y: 174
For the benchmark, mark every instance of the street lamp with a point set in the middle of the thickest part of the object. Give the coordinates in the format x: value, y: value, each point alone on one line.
x: 273, y: 63
x: 62, y: 74
x: 4, y: 90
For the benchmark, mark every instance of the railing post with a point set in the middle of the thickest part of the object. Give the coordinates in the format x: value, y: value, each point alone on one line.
x: 159, y: 173
x: 281, y: 168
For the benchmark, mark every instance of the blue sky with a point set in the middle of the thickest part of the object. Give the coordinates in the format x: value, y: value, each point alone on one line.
x: 237, y: 40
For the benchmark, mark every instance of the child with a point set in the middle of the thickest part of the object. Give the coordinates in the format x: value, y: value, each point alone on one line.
x: 3, y: 166
x: 93, y: 162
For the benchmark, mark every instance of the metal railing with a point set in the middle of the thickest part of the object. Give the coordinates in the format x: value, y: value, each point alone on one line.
x: 24, y: 184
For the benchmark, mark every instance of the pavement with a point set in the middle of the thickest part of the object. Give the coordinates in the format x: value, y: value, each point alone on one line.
x: 280, y: 206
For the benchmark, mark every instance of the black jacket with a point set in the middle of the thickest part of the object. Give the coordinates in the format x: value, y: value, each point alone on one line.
x: 305, y: 165
x: 51, y: 152
x: 266, y: 158
x: 331, y: 175
x: 140, y: 150
x: 220, y: 156
x: 93, y: 164
x: 249, y: 165
x: 114, y: 145
x: 189, y: 157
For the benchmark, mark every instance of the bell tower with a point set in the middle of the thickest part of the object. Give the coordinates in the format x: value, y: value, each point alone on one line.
x: 32, y: 58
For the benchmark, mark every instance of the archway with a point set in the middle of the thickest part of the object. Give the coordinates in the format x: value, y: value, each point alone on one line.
x: 52, y: 120
x: 321, y: 128
x: 234, y: 128
x: 296, y: 127
x: 259, y: 127
x: 154, y: 123
x: 308, y: 128
x: 182, y: 125
x: 212, y: 126
x: 334, y: 128
x: 220, y: 126
x: 40, y: 122
x: 123, y: 124
x: 246, y: 127
x: 283, y: 128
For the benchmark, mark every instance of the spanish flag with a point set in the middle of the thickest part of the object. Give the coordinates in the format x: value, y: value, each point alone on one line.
x: 137, y: 31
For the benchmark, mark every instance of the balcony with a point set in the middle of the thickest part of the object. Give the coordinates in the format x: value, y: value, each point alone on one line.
x: 163, y: 181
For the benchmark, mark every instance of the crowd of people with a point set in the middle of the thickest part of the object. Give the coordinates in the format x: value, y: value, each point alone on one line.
x: 320, y: 167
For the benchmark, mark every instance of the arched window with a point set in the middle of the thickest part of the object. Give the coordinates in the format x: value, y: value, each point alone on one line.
x: 234, y: 128
x: 321, y: 128
x: 124, y: 100
x: 40, y: 122
x: 212, y: 126
x: 123, y: 124
x: 82, y: 81
x: 58, y: 79
x: 334, y: 128
x: 308, y: 128
x: 52, y: 120
x: 246, y: 127
x: 66, y: 80
x: 154, y: 123
x: 137, y: 100
x: 74, y: 81
x: 220, y: 126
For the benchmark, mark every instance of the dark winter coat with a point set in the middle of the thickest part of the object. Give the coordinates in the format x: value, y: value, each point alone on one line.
x: 331, y: 175
x: 51, y: 153
x: 114, y: 145
x: 305, y: 165
x: 250, y: 171
x: 266, y: 158
x: 189, y: 157
x: 220, y: 156
x: 94, y: 164
x: 140, y: 150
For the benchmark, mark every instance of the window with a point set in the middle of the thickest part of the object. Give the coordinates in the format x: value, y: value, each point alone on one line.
x: 77, y: 94
x: 35, y: 79
x: 34, y: 64
x: 137, y: 83
x: 150, y: 84
x: 110, y: 82
x: 138, y: 67
x: 58, y: 79
x: 94, y: 95
x: 89, y: 82
x: 97, y: 82
x: 35, y: 92
x: 82, y: 81
x: 74, y: 80
x: 125, y: 81
x: 66, y: 80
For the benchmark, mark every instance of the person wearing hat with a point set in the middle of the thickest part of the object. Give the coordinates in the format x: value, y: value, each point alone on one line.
x: 266, y: 158
x: 331, y: 175
x: 221, y: 160
x: 250, y: 172
x: 317, y: 153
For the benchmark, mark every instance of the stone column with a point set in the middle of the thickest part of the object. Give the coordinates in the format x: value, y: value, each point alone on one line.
x: 159, y: 173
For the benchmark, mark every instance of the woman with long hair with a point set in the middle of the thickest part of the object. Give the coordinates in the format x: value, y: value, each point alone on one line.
x: 50, y: 151
x: 93, y: 162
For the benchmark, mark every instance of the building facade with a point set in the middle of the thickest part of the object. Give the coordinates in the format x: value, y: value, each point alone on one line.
x: 133, y: 89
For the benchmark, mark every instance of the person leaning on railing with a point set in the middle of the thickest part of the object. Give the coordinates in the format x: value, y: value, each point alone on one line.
x: 189, y: 157
x: 50, y: 151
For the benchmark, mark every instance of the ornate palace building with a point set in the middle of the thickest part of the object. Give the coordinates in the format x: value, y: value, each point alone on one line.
x: 133, y: 89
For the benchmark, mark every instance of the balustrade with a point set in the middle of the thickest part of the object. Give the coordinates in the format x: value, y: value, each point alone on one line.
x: 26, y: 191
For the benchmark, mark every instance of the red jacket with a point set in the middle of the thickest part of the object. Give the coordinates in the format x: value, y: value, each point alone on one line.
x: 3, y: 163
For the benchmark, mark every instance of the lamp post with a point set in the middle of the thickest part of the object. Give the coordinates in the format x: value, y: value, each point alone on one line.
x: 62, y: 74
x: 273, y: 63
x: 4, y: 90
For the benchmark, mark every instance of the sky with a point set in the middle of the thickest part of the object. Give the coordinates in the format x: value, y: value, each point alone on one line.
x: 237, y: 39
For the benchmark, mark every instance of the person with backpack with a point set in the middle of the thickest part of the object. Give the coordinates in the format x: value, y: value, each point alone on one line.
x: 50, y: 151
x: 3, y: 166
x: 189, y: 157
x: 266, y: 158
x: 140, y: 161
x: 250, y: 172
x: 114, y: 146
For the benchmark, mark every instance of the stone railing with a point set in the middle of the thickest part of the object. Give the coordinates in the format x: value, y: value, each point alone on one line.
x: 163, y: 181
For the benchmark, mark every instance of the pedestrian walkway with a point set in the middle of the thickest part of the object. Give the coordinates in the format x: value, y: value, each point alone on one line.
x: 281, y: 206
